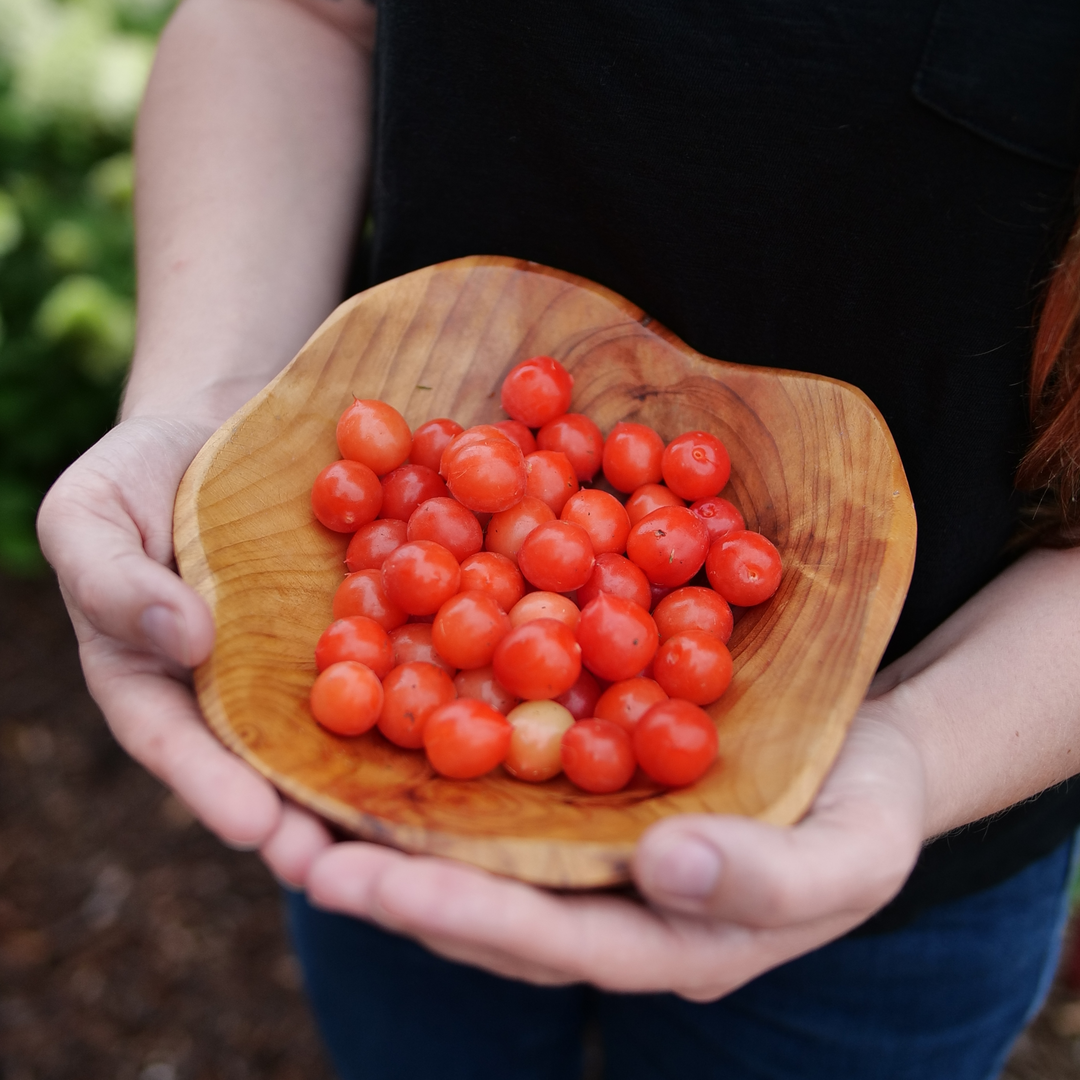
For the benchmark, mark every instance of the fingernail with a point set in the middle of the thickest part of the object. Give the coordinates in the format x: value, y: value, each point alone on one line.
x: 164, y: 629
x: 686, y: 867
x: 287, y: 885
x: 241, y: 845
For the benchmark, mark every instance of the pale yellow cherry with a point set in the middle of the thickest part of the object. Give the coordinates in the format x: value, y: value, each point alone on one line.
x: 538, y: 728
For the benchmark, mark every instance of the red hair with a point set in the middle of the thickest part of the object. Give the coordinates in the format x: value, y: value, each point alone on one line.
x: 1052, y: 463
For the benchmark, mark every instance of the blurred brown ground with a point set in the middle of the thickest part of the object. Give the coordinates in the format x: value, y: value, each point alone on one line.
x: 133, y: 946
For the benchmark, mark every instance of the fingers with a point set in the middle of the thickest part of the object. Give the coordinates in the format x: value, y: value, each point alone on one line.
x: 504, y: 926
x: 520, y: 932
x: 850, y: 854
x: 294, y: 845
x: 106, y: 527
x: 156, y: 720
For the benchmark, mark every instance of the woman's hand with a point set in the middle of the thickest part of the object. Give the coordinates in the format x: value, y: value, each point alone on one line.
x: 728, y: 897
x: 980, y: 715
x: 252, y: 149
x: 106, y: 526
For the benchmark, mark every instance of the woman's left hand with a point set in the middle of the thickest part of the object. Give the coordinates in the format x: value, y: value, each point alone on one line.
x: 727, y: 897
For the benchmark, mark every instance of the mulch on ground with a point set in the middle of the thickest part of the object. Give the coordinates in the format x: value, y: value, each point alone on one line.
x: 132, y: 944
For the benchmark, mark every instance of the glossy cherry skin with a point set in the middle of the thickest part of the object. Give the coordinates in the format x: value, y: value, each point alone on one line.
x: 576, y: 436
x: 675, y: 742
x: 539, y: 659
x: 598, y: 756
x: 466, y: 738
x: 467, y: 628
x: 557, y: 556
x: 374, y: 433
x: 411, y: 693
x: 358, y: 638
x: 670, y: 545
x: 744, y: 567
x: 693, y: 607
x: 617, y: 637
x: 371, y: 543
x: 346, y: 495
x: 602, y: 516
x: 537, y: 390
x: 694, y: 665
x: 632, y: 456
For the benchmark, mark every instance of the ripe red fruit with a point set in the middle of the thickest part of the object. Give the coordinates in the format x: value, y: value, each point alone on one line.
x: 412, y: 692
x: 632, y: 455
x: 466, y: 738
x: 675, y: 743
x: 431, y: 439
x: 650, y: 497
x: 550, y: 478
x: 744, y: 568
x: 346, y: 698
x: 693, y: 608
x: 617, y: 637
x: 346, y: 495
x: 407, y: 487
x: 539, y: 659
x: 576, y: 436
x: 480, y: 683
x: 374, y: 433
x: 486, y: 476
x: 421, y: 576
x: 412, y: 642
x: 467, y: 628
x: 625, y: 703
x: 371, y: 543
x: 447, y: 522
x: 598, y: 756
x: 495, y: 575
x: 670, y: 545
x: 720, y: 516
x: 479, y: 433
x: 580, y: 700
x: 537, y: 390
x: 506, y: 531
x: 556, y: 556
x: 519, y: 433
x: 602, y: 516
x: 694, y: 665
x: 358, y: 638
x: 619, y: 576
x: 362, y: 593
x: 696, y: 465
x: 545, y: 605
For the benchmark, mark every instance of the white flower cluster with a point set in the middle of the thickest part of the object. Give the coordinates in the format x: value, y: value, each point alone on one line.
x: 71, y: 60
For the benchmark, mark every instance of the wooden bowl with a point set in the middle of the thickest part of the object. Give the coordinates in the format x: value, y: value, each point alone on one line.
x: 814, y: 468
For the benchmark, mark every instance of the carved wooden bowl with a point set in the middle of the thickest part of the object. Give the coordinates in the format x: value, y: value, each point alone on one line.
x: 814, y: 468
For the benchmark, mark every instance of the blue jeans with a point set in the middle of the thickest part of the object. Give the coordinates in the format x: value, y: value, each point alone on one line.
x: 940, y: 999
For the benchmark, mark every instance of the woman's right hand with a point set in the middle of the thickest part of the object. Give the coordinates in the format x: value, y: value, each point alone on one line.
x: 106, y: 527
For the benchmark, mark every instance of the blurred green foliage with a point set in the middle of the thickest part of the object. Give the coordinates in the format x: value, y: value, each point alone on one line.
x: 71, y: 76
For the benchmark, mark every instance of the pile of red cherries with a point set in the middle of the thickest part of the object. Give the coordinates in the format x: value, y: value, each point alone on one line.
x: 501, y: 608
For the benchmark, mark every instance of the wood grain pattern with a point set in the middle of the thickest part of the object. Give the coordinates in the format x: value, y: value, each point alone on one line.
x: 814, y: 468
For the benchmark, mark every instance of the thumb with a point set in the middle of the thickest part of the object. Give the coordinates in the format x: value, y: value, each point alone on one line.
x: 851, y: 853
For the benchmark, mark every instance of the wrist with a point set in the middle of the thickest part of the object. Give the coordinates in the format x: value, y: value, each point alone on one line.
x: 208, y: 402
x: 909, y: 722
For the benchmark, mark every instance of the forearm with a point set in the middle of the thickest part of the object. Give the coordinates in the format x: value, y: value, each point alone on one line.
x: 992, y: 697
x: 251, y: 154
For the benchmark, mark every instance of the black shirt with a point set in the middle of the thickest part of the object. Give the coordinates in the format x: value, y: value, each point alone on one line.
x: 866, y: 189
